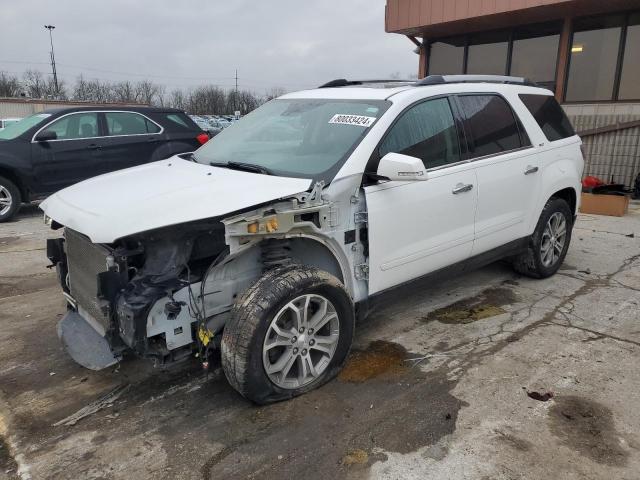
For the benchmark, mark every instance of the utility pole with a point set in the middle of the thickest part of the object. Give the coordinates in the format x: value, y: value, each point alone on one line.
x: 53, y: 60
x: 235, y: 97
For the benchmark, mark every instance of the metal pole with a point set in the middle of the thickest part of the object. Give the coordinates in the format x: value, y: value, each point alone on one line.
x: 53, y: 60
x: 235, y: 98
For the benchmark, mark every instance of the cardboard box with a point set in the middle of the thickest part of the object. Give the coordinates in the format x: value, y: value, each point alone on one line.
x: 613, y: 205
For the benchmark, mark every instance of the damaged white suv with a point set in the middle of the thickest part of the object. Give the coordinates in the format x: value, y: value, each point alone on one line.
x: 271, y: 239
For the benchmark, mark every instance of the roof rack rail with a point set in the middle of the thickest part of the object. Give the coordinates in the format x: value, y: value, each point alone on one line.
x: 343, y: 82
x: 442, y: 79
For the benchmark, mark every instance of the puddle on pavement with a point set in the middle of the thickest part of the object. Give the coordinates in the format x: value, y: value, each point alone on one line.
x: 588, y: 428
x: 487, y: 304
x: 380, y: 358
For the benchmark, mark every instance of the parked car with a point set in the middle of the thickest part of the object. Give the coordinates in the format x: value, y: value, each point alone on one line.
x: 51, y: 150
x: 5, y: 122
x: 269, y: 249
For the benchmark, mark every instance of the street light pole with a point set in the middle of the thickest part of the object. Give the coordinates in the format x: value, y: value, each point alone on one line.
x: 53, y: 59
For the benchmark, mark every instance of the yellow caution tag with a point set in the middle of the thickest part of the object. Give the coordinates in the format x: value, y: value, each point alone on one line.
x: 205, y: 335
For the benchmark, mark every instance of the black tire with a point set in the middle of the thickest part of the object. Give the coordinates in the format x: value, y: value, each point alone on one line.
x: 16, y: 199
x: 530, y: 262
x: 244, y: 334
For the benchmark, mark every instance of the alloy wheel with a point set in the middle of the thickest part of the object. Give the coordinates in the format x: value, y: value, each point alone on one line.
x: 301, y: 341
x: 6, y: 200
x: 553, y: 239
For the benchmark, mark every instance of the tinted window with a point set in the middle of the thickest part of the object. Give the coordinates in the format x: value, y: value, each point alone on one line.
x: 594, y: 55
x: 426, y: 131
x: 549, y: 115
x: 629, y: 84
x: 126, y: 123
x: 76, y: 125
x: 179, y: 121
x: 446, y: 57
x: 490, y: 123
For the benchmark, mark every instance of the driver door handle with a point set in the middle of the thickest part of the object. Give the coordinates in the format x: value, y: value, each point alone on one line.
x: 94, y: 146
x: 530, y: 170
x: 461, y: 188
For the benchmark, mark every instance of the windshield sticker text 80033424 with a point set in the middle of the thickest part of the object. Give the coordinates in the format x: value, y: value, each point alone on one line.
x: 359, y: 120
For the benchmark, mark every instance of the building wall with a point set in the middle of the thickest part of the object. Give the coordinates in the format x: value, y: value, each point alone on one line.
x: 612, y: 156
x: 10, y: 107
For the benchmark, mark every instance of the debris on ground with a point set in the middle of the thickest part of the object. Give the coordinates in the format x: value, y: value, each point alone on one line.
x: 103, y: 402
x: 541, y: 397
x: 355, y: 457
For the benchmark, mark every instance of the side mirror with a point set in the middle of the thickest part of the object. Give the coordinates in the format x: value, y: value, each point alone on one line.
x: 46, y: 135
x: 403, y: 168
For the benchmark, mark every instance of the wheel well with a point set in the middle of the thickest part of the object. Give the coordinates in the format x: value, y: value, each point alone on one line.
x: 569, y: 196
x: 10, y: 175
x: 313, y: 253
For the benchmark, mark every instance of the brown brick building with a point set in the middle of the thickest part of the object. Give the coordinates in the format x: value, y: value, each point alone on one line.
x: 586, y: 51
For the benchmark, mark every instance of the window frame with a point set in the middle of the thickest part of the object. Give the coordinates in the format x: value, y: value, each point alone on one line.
x: 371, y: 169
x: 523, y: 135
x: 102, y: 126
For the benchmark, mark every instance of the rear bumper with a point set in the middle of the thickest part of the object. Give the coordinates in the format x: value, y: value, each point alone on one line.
x: 84, y: 344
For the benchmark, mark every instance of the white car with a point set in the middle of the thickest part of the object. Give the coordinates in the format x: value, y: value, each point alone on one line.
x: 271, y: 248
x: 4, y: 122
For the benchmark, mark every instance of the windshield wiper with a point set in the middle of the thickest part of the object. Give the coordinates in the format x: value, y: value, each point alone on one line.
x: 247, y: 167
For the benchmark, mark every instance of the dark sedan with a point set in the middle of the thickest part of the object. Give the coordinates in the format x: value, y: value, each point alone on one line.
x: 53, y: 149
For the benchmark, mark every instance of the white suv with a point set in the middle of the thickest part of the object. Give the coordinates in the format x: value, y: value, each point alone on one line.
x: 271, y: 239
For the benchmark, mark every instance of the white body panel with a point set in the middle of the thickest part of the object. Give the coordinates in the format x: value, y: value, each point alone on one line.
x: 161, y: 194
x: 418, y: 227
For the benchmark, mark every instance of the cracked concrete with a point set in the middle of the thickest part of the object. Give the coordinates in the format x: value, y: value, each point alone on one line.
x: 456, y: 408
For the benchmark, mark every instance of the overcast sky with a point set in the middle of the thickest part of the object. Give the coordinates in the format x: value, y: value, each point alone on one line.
x: 292, y: 44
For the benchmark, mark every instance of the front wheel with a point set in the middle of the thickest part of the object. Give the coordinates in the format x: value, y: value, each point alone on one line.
x: 549, y: 243
x: 289, y: 333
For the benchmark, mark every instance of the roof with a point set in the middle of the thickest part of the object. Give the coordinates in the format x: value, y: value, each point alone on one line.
x: 442, y: 18
x: 447, y: 85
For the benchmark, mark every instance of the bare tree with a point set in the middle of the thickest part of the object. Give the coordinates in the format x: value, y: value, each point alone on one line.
x: 149, y: 92
x: 37, y: 86
x: 274, y: 92
x: 9, y: 85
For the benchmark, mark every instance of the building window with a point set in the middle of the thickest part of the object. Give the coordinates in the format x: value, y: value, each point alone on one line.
x: 447, y: 57
x: 487, y: 54
x: 630, y: 79
x: 535, y: 53
x: 594, y: 55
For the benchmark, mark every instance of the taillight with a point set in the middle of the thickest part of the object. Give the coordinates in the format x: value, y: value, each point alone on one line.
x: 202, y: 138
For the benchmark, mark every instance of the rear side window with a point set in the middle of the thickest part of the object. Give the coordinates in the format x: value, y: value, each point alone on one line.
x: 426, y: 131
x: 126, y: 123
x: 549, y: 115
x: 490, y: 123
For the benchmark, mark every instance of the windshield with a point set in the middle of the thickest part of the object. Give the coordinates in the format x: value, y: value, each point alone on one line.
x: 16, y: 129
x: 306, y: 138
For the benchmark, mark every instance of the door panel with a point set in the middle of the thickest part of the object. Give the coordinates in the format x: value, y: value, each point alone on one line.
x: 507, y: 196
x: 73, y: 157
x: 418, y: 227
x: 132, y: 140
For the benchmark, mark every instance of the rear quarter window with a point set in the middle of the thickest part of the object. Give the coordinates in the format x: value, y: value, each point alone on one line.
x: 177, y: 122
x: 549, y: 115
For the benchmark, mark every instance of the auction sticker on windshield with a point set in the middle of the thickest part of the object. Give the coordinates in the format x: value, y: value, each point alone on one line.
x: 359, y: 120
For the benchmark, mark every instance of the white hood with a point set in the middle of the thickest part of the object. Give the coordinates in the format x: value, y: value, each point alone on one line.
x: 159, y: 194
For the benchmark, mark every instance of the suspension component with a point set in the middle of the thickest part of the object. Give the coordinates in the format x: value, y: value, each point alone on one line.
x: 275, y: 253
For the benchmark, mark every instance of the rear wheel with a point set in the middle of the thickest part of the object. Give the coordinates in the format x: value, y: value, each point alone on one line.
x: 549, y: 243
x: 9, y: 199
x: 288, y: 334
